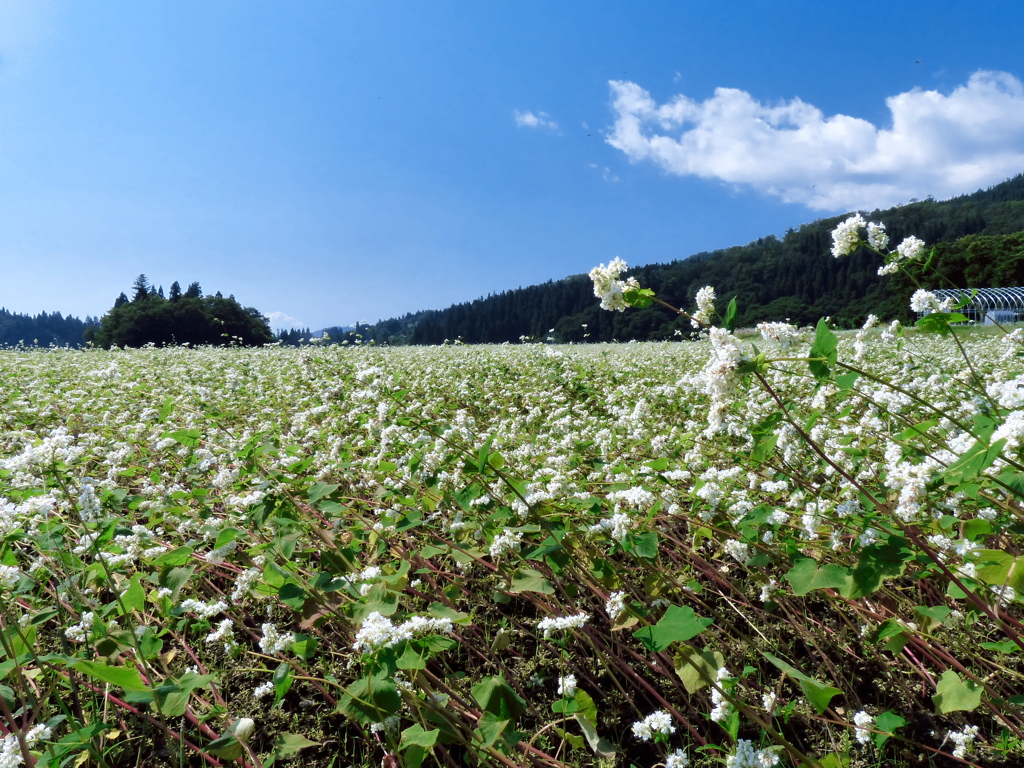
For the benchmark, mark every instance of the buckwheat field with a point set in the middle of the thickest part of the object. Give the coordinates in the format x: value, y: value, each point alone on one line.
x: 775, y: 548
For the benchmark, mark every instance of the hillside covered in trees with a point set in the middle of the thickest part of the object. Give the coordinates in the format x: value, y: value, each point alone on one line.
x: 43, y: 330
x: 979, y: 240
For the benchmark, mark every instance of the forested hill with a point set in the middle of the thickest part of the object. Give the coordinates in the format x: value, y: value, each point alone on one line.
x: 43, y: 329
x: 795, y: 277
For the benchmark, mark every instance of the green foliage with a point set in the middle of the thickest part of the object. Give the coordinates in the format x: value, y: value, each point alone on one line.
x: 189, y: 319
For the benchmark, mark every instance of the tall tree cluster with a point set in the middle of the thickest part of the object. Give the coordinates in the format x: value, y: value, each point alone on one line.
x: 188, y: 317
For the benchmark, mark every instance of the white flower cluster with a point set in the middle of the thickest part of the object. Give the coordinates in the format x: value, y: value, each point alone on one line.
x: 705, y: 299
x: 9, y: 576
x: 204, y: 610
x: 80, y: 631
x: 846, y: 236
x: 746, y: 756
x: 615, y: 605
x: 607, y: 286
x: 88, y: 503
x: 224, y: 633
x: 721, y: 379
x: 964, y: 740
x: 559, y: 623
x: 567, y: 685
x: 737, y: 550
x: 877, y: 237
x: 785, y: 334
x: 862, y: 721
x: 846, y: 239
x: 506, y: 541
x: 244, y: 583
x: 657, y: 723
x: 722, y: 708
x: 263, y: 689
x: 678, y: 759
x: 10, y: 750
x: 379, y: 631
x: 274, y: 641
x: 926, y: 301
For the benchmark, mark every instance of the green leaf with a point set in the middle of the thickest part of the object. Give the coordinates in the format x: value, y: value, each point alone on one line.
x: 496, y: 696
x: 638, y: 297
x: 292, y: 595
x: 645, y: 545
x: 489, y: 728
x: 288, y: 745
x: 818, y: 694
x: 226, y: 747
x: 976, y: 459
x: 888, y: 722
x: 825, y: 345
x: 371, y: 699
x: 993, y: 566
x: 805, y: 575
x: 175, y: 557
x: 415, y: 735
x: 172, y: 698
x: 600, y: 746
x: 529, y: 580
x: 124, y: 677
x: 876, y: 564
x: 729, y: 320
x: 188, y: 437
x: 677, y: 626
x: 318, y: 490
x: 697, y: 669
x: 953, y: 694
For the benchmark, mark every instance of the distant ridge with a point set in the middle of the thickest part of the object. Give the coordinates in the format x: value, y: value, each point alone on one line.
x: 794, y: 278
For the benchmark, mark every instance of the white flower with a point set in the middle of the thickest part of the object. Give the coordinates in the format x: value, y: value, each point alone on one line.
x: 263, y: 689
x: 567, y: 685
x: 378, y: 631
x: 877, y: 238
x: 557, y: 623
x: 862, y: 721
x: 705, y: 307
x: 926, y: 301
x: 273, y: 641
x: 737, y: 550
x: 748, y: 757
x: 659, y: 722
x: 722, y: 708
x: 609, y: 288
x: 9, y: 576
x: 964, y: 740
x: 677, y: 759
x: 910, y: 249
x: 505, y: 541
x: 846, y: 236
x: 616, y: 605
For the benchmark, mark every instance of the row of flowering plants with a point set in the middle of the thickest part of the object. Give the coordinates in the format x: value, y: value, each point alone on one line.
x: 782, y: 549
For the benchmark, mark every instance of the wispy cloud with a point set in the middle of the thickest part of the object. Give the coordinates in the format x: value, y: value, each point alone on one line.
x: 535, y: 120
x: 279, y: 320
x: 939, y: 144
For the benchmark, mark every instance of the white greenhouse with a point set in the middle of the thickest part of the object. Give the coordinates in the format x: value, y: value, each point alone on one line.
x: 988, y: 305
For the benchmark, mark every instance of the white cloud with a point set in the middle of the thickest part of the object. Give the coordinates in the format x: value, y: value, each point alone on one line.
x: 279, y: 320
x: 937, y: 144
x: 531, y: 120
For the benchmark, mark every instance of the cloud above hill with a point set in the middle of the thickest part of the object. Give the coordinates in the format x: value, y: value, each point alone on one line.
x: 937, y: 144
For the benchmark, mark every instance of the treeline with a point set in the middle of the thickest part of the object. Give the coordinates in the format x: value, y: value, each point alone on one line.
x: 43, y: 330
x: 182, y: 317
x: 794, y: 278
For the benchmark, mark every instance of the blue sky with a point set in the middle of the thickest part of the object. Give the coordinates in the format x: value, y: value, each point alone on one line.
x: 353, y: 160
